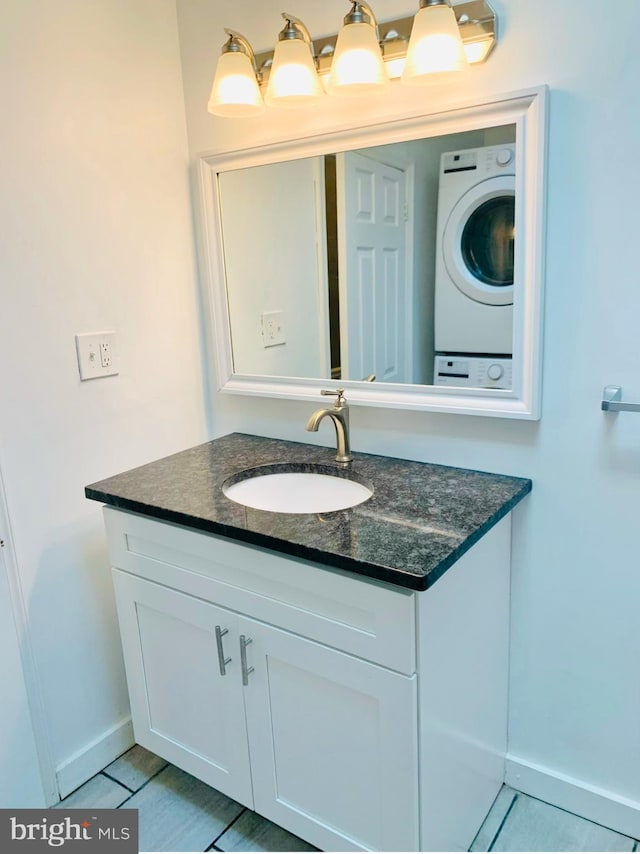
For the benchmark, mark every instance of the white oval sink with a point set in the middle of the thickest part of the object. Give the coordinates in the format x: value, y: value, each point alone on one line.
x: 297, y: 492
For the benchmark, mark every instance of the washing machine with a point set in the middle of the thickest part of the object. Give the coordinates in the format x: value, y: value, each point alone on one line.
x: 475, y: 253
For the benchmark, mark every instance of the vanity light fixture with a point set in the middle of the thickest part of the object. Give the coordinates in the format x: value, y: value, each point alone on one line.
x: 235, y: 90
x: 357, y: 67
x: 358, y: 59
x: 435, y: 45
x: 293, y: 78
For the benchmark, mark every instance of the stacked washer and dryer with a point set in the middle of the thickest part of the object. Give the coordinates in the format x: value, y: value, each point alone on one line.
x: 474, y: 268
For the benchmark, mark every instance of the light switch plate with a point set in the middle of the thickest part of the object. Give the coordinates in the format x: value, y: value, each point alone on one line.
x: 97, y: 355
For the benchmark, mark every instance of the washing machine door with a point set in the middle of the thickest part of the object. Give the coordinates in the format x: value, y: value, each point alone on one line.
x: 478, y: 241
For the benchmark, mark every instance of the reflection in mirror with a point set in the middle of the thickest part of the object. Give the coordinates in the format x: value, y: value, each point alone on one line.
x: 395, y: 260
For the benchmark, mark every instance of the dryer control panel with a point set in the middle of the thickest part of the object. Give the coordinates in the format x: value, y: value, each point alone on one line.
x: 492, y: 160
x: 473, y: 371
x: 460, y: 161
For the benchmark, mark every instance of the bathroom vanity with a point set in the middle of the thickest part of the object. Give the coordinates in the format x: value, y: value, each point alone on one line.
x: 343, y: 674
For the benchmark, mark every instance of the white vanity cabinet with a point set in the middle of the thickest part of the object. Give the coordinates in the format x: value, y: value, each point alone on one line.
x: 183, y: 708
x: 333, y: 744
x: 348, y: 711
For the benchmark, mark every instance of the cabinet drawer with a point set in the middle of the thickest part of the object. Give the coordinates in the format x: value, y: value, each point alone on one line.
x: 365, y: 618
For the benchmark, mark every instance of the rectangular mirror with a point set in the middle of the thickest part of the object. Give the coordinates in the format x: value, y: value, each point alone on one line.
x: 402, y: 261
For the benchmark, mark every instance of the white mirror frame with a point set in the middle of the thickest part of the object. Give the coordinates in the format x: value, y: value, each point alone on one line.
x: 528, y: 112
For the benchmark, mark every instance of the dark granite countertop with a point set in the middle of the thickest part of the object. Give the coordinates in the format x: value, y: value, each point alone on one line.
x: 419, y: 521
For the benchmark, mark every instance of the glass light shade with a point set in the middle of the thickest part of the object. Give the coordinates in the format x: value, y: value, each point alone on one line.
x: 357, y: 67
x: 435, y: 45
x: 235, y: 90
x: 293, y: 81
x: 480, y: 50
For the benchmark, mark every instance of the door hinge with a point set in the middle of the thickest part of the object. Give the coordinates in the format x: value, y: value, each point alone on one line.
x: 406, y: 212
x: 1, y: 544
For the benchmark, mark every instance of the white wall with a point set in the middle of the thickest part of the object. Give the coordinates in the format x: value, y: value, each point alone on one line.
x: 95, y: 233
x: 273, y: 220
x: 576, y: 647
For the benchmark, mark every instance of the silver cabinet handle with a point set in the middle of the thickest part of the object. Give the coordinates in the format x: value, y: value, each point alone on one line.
x: 244, y: 643
x: 222, y: 661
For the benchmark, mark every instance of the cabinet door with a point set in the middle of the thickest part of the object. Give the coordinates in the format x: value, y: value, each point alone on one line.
x: 183, y: 708
x: 333, y: 743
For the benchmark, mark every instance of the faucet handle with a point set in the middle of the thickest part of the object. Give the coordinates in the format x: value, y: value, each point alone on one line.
x: 339, y: 393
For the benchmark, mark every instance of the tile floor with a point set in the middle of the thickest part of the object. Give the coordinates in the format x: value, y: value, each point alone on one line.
x: 176, y: 812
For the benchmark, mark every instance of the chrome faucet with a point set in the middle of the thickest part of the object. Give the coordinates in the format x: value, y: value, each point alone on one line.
x: 339, y: 414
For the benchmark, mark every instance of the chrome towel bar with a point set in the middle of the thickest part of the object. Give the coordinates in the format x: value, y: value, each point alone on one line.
x: 612, y: 400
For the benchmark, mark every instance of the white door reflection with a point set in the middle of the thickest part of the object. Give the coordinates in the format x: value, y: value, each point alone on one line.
x: 374, y: 298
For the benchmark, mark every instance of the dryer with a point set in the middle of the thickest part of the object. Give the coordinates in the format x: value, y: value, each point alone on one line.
x: 475, y: 252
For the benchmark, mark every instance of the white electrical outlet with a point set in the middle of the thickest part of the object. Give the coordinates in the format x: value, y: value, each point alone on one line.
x: 105, y: 354
x: 273, y: 328
x: 96, y: 355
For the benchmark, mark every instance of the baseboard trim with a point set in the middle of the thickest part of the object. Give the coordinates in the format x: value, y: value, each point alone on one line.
x: 598, y: 805
x: 94, y: 757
